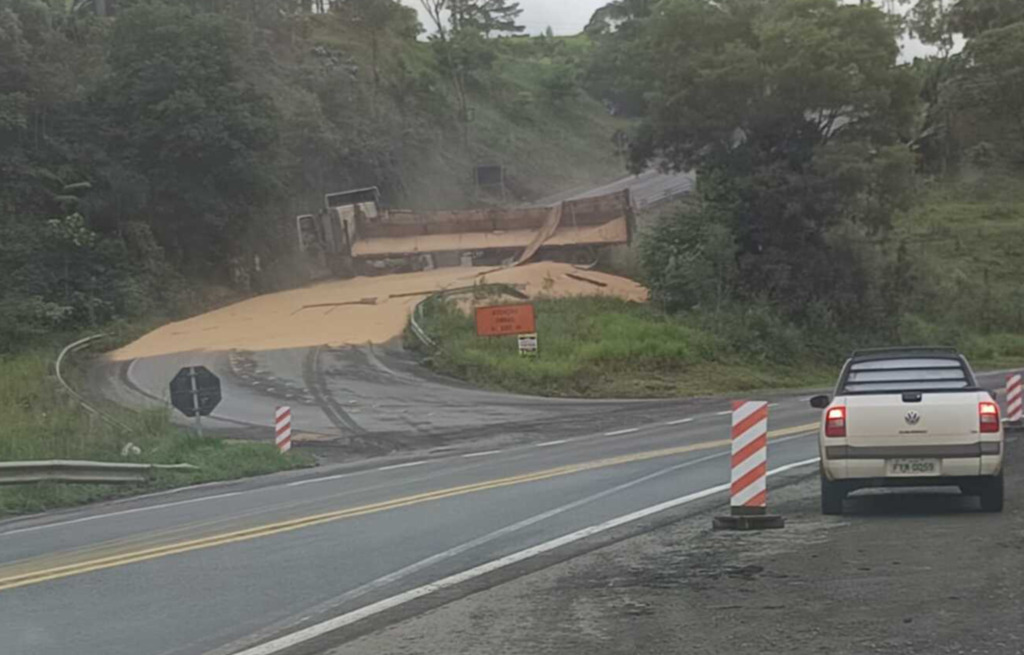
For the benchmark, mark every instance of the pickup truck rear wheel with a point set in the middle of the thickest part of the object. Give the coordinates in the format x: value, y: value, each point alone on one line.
x: 992, y: 494
x: 832, y: 495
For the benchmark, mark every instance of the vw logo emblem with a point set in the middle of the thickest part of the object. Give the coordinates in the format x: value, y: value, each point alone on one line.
x: 912, y: 417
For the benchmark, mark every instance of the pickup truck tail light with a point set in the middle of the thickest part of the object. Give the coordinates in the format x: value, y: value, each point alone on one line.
x: 835, y: 422
x: 988, y: 417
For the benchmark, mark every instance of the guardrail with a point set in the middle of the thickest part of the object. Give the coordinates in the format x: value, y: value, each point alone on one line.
x: 417, y: 311
x: 75, y: 347
x: 414, y: 325
x: 59, y: 470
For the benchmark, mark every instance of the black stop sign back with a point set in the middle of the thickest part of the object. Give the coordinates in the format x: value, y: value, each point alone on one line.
x: 195, y: 388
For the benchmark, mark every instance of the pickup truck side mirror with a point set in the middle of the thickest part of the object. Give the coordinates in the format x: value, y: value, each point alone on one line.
x: 820, y: 402
x: 994, y: 395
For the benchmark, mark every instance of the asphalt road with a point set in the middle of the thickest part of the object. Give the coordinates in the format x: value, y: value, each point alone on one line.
x: 646, y: 189
x: 477, y: 488
x: 368, y: 400
x: 902, y: 572
x: 228, y: 566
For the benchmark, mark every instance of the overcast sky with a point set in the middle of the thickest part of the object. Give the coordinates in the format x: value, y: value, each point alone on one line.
x: 571, y: 16
x: 564, y: 16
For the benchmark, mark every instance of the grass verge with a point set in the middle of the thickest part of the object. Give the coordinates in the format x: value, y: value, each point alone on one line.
x: 606, y: 347
x: 41, y: 422
x: 961, y: 242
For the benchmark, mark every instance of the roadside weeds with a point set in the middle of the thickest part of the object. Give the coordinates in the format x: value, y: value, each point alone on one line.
x: 41, y: 422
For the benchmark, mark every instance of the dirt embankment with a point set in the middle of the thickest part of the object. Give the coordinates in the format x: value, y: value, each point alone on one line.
x: 357, y: 311
x: 925, y: 573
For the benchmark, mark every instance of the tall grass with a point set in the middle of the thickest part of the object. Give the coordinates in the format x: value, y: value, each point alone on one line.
x: 600, y: 346
x: 964, y: 242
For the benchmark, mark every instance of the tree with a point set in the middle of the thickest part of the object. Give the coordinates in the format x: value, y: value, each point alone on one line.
x: 179, y: 107
x: 972, y: 17
x: 613, y: 74
x: 795, y: 113
x: 379, y: 17
x: 460, y: 40
x: 991, y: 80
x: 486, y: 16
x: 931, y: 21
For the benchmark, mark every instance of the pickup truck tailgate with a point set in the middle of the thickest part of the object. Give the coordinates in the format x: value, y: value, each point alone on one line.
x: 888, y: 419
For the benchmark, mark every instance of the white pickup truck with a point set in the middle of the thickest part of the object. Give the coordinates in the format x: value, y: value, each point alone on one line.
x: 910, y: 417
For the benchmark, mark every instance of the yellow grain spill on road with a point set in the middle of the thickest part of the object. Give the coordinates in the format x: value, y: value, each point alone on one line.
x: 378, y: 314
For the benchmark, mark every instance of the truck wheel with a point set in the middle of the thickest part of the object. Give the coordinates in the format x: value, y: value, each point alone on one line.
x: 832, y: 495
x: 992, y: 494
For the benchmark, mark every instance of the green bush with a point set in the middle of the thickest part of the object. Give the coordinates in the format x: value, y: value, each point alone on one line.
x: 601, y: 346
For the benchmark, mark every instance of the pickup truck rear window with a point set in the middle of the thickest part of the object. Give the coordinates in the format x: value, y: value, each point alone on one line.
x: 909, y: 374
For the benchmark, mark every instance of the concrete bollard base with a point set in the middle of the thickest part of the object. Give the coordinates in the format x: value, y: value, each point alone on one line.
x: 749, y: 522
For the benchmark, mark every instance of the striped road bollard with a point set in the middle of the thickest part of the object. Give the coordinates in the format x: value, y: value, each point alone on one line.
x: 1014, y: 405
x: 283, y: 429
x: 748, y: 490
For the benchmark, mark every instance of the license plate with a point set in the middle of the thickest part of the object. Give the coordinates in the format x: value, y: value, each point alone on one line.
x: 912, y: 466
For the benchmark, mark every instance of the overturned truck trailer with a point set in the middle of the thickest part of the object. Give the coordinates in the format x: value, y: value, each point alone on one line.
x: 358, y: 237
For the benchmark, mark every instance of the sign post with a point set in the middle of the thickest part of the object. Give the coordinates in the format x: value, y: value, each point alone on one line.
x: 195, y: 392
x: 195, y: 402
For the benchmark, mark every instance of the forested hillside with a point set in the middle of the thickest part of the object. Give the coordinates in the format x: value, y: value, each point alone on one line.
x: 152, y: 152
x: 847, y: 196
x: 825, y: 160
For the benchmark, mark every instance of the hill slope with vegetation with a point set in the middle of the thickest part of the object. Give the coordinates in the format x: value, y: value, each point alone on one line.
x: 845, y: 198
x: 165, y: 146
x: 154, y: 154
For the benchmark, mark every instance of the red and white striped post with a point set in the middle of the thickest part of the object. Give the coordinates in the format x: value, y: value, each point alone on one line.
x: 283, y: 428
x: 748, y: 489
x: 1014, y: 406
x: 749, y: 457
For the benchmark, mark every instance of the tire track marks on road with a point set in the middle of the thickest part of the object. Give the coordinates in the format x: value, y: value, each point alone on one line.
x: 316, y: 384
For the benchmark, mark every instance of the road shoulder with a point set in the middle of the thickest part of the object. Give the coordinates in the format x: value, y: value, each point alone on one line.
x: 902, y: 572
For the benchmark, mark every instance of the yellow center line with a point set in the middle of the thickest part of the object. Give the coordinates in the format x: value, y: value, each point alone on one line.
x: 122, y: 559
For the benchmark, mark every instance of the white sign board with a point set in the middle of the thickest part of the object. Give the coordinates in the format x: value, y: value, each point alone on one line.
x: 528, y: 344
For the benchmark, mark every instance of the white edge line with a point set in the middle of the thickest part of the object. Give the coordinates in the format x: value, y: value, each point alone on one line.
x: 330, y: 625
x: 481, y: 454
x: 299, y: 483
x: 725, y: 413
x: 447, y: 554
x: 123, y: 512
x: 550, y: 443
x: 680, y: 421
x: 616, y: 433
x: 401, y: 466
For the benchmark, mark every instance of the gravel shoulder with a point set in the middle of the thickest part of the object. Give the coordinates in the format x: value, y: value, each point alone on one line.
x: 902, y: 572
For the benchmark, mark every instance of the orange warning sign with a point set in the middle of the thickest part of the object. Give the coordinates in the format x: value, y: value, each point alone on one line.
x: 502, y: 320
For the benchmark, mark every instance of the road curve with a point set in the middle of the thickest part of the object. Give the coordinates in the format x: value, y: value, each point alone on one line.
x: 369, y: 400
x: 302, y: 561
